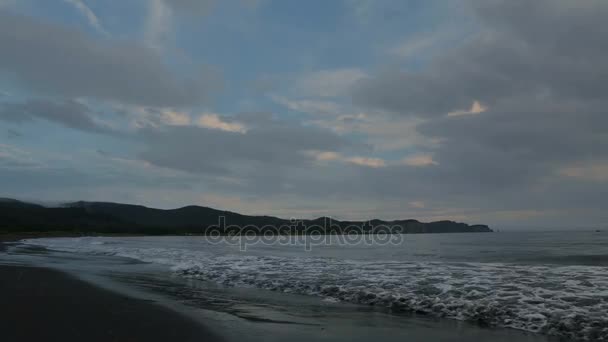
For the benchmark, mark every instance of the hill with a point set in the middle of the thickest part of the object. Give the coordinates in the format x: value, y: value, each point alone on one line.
x: 104, y: 217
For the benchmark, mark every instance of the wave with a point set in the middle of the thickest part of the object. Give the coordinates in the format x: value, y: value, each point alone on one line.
x: 566, y: 301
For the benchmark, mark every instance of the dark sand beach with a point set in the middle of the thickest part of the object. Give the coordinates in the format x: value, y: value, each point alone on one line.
x: 43, y: 304
x: 55, y: 295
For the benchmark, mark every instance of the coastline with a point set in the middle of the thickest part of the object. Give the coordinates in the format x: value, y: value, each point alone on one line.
x: 45, y: 304
x: 248, y: 317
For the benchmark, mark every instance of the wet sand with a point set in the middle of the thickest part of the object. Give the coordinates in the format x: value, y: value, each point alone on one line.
x: 40, y: 304
x: 46, y: 304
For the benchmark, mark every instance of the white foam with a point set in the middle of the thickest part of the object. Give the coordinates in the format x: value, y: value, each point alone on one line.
x: 569, y: 301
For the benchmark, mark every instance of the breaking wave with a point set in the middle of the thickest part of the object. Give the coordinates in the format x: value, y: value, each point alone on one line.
x: 566, y: 301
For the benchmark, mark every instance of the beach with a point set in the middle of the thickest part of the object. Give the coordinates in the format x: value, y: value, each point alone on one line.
x: 44, y: 304
x: 40, y: 303
x: 121, y: 289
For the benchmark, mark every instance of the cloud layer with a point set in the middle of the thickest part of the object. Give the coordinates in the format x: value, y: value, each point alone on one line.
x: 57, y: 60
x: 506, y: 126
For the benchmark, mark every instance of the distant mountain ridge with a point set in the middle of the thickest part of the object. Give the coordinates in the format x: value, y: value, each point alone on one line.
x: 106, y: 217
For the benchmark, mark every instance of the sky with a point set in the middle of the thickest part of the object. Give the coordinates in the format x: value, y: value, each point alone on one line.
x: 481, y: 111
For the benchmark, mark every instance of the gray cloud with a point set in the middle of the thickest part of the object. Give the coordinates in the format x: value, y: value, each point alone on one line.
x: 70, y: 114
x: 57, y: 60
x: 271, y: 159
x: 268, y: 145
x: 195, y: 7
x: 545, y: 48
x: 541, y: 69
x: 13, y: 134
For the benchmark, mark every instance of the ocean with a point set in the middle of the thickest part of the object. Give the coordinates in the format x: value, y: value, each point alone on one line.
x: 551, y: 284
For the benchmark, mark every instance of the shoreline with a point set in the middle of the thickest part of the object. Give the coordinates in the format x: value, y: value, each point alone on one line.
x: 448, y: 330
x: 46, y: 304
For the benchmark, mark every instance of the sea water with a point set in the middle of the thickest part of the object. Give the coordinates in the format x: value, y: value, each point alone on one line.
x: 553, y: 283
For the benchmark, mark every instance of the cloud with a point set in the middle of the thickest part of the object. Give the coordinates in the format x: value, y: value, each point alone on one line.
x: 422, y: 44
x: 268, y: 147
x: 332, y: 156
x: 89, y: 14
x: 417, y: 204
x: 191, y: 7
x: 47, y: 174
x: 160, y: 19
x: 374, y: 13
x: 534, y: 133
x: 412, y: 47
x: 329, y: 83
x: 535, y: 71
x: 72, y: 114
x: 514, y: 55
x: 363, y: 161
x: 307, y: 105
x: 158, y: 23
x: 157, y: 118
x: 213, y: 121
x: 59, y: 61
x: 594, y: 171
x: 508, y: 125
x: 174, y: 118
x: 420, y: 160
x: 15, y: 158
x: 13, y: 134
x: 382, y: 132
x: 328, y: 156
x: 140, y: 116
x: 476, y: 108
x: 7, y: 3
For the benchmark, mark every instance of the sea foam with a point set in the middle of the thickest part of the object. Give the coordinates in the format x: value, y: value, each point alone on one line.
x: 567, y: 301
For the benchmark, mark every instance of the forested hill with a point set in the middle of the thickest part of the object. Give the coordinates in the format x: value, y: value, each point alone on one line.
x: 102, y: 217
